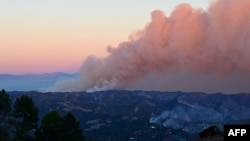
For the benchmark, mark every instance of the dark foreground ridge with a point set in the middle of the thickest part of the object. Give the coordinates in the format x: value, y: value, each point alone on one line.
x: 145, y: 115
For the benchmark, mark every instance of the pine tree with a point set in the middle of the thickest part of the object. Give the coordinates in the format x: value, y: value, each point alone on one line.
x: 26, y: 116
x: 5, y: 114
x: 71, y: 130
x: 54, y: 127
x: 49, y: 127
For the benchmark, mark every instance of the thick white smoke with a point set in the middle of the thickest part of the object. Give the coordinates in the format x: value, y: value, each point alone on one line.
x: 190, y: 50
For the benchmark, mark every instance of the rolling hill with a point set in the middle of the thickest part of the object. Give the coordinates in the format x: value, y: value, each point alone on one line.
x: 145, y: 115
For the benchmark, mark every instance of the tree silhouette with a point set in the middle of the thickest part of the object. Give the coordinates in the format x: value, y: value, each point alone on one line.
x: 5, y: 113
x: 26, y: 116
x: 24, y: 120
x: 54, y: 127
x: 71, y: 130
x: 49, y: 127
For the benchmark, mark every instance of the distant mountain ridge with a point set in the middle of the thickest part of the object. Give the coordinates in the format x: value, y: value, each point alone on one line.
x: 29, y: 82
x: 144, y: 113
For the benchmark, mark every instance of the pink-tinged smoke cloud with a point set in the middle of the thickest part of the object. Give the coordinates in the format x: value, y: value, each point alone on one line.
x: 190, y: 50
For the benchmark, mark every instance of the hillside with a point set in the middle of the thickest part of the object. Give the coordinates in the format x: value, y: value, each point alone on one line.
x: 145, y: 116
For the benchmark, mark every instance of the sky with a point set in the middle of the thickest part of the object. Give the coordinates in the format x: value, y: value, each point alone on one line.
x: 45, y: 36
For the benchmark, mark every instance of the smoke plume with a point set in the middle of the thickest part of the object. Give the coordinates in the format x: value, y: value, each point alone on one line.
x: 192, y: 49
